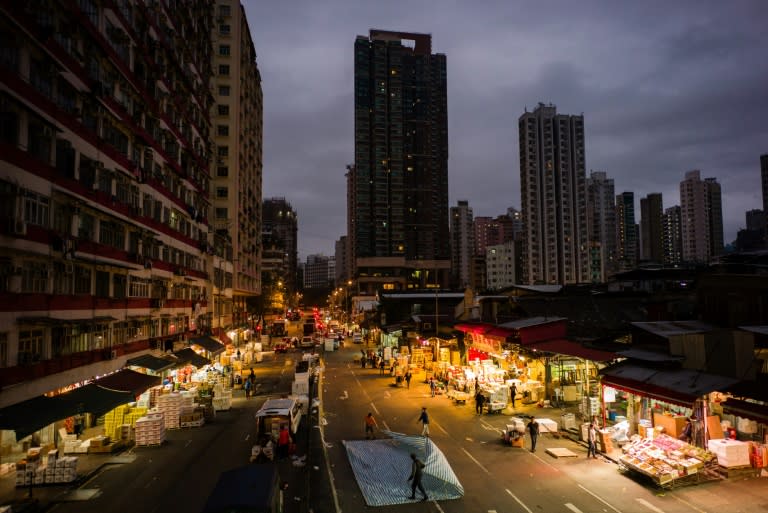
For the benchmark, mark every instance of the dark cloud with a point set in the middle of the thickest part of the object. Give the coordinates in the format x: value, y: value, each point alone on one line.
x: 665, y: 87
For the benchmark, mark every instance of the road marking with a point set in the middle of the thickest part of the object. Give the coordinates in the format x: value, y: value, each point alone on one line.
x: 373, y: 406
x: 384, y: 423
x: 545, y: 462
x: 437, y: 506
x: 486, y: 425
x: 154, y: 478
x: 599, y: 498
x: 187, y: 444
x: 247, y: 437
x: 473, y: 459
x: 526, y: 508
x: 572, y: 507
x: 649, y: 505
x: 688, y: 504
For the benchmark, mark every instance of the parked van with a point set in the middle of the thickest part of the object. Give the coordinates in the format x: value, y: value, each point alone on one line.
x: 276, y: 413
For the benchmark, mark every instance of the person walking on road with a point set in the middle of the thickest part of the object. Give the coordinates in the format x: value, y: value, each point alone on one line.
x: 415, y: 477
x: 513, y: 394
x: 432, y: 386
x: 283, y: 442
x: 591, y: 441
x: 408, y: 376
x: 424, y: 419
x: 247, y: 387
x: 479, y: 402
x: 533, y: 430
x: 370, y: 424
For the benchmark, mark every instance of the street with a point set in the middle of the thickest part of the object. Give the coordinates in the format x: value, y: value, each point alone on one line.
x: 180, y: 474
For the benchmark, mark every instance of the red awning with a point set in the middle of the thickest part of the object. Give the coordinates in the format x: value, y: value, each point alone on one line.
x: 645, y: 390
x: 570, y: 348
x: 500, y: 332
x: 746, y: 409
x: 476, y: 329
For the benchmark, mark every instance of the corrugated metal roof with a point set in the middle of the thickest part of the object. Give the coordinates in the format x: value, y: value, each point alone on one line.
x: 668, y: 329
x: 531, y: 321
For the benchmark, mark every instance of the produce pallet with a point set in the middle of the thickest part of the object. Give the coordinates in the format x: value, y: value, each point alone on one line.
x: 193, y: 423
x: 741, y: 471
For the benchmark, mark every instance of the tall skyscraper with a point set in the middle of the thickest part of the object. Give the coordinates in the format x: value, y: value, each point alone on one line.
x: 281, y: 225
x: 601, y: 223
x: 553, y: 197
x: 462, y: 244
x: 500, y: 265
x: 651, y: 228
x: 673, y: 236
x: 400, y: 174
x: 236, y: 186
x: 702, y: 218
x: 626, y: 231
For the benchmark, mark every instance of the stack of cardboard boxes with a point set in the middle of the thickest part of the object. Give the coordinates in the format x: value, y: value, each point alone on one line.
x: 150, y: 430
x: 36, y: 470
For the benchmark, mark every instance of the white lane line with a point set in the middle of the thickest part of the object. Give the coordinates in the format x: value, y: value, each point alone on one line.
x: 649, y: 505
x: 695, y: 508
x: 384, y: 423
x: 473, y: 459
x: 572, y: 507
x: 437, y: 506
x: 599, y: 498
x: 247, y: 437
x: 373, y: 407
x: 545, y: 462
x: 187, y: 444
x: 526, y: 508
x: 438, y: 426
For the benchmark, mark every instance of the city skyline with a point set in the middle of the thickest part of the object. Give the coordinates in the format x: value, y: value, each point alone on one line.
x: 664, y: 89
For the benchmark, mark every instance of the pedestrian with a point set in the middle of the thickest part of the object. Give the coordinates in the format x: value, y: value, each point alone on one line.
x: 381, y: 365
x: 247, y: 387
x: 253, y: 376
x: 513, y: 394
x: 592, y: 441
x: 370, y: 424
x: 362, y: 361
x: 424, y: 419
x: 686, y: 434
x: 283, y: 442
x: 415, y: 478
x: 408, y: 376
x: 432, y: 386
x: 479, y: 402
x: 533, y: 430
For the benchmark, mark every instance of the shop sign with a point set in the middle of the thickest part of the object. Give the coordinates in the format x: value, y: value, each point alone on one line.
x: 609, y: 394
x: 486, y: 344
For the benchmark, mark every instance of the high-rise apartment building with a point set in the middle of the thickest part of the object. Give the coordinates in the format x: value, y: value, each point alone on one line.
x: 626, y: 231
x: 341, y: 251
x: 702, y: 218
x: 601, y: 224
x: 673, y: 236
x: 652, y: 228
x: 517, y: 222
x: 237, y: 119
x: 399, y: 181
x: 553, y: 197
x: 462, y: 244
x: 105, y: 170
x: 280, y: 224
x: 319, y: 272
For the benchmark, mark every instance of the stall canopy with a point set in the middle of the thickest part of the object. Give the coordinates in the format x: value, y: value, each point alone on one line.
x: 151, y: 362
x: 676, y: 386
x: 210, y: 344
x: 28, y: 416
x: 570, y: 348
x: 33, y: 414
x: 96, y: 399
x: 187, y: 355
x: 127, y: 380
x: 746, y: 409
x: 249, y: 489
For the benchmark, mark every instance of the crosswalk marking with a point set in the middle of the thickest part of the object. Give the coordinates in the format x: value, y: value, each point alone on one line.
x: 649, y: 505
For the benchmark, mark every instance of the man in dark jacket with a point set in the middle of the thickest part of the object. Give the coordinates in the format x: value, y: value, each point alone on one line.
x: 533, y: 429
x: 415, y: 477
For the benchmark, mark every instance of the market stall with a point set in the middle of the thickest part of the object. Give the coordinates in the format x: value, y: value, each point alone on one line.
x: 668, y: 462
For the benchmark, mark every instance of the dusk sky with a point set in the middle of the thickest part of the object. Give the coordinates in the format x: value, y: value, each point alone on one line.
x: 665, y: 87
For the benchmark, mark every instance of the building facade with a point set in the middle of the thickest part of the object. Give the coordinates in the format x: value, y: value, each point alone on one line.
x: 500, y: 266
x: 399, y: 180
x: 237, y: 119
x: 601, y: 223
x: 652, y: 228
x: 105, y: 250
x: 673, y: 236
x: 553, y: 197
x: 318, y: 272
x: 281, y: 225
x: 626, y: 231
x: 462, y: 244
x: 764, y: 179
x: 701, y: 218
